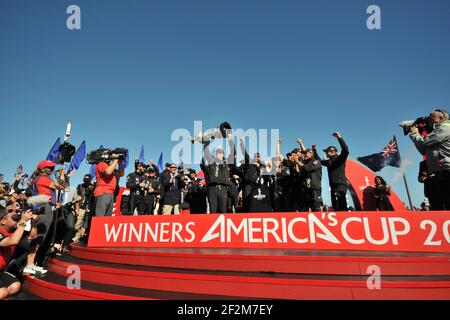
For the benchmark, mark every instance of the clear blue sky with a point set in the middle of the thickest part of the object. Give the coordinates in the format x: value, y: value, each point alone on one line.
x: 137, y: 70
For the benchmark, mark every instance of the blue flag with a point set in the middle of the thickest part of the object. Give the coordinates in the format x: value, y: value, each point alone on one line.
x: 54, y: 151
x: 160, y: 163
x: 389, y: 156
x: 127, y: 160
x: 141, y: 156
x: 77, y: 159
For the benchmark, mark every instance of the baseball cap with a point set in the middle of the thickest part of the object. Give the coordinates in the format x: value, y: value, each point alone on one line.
x: 46, y: 164
x: 330, y: 148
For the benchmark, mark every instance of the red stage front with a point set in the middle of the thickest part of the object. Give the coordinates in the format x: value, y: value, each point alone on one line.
x: 379, y: 231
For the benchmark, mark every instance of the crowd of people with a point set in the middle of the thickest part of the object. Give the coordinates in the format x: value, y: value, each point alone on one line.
x: 31, y: 233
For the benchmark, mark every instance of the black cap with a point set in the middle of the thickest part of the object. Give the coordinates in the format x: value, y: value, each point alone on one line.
x: 87, y: 177
x: 150, y: 169
x: 330, y: 148
x: 296, y: 150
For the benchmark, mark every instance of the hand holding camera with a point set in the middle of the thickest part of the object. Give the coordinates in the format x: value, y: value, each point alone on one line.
x: 414, y: 130
x: 27, y: 215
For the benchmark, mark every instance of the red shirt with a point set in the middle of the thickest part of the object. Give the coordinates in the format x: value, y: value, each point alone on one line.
x: 5, y: 252
x: 43, y: 187
x: 106, y: 184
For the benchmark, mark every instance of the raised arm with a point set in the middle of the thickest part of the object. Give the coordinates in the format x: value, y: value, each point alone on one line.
x: 301, y: 145
x: 207, y: 152
x: 280, y: 156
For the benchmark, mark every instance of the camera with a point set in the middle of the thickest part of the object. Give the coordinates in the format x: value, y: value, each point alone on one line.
x: 36, y: 204
x: 422, y: 123
x: 67, y: 151
x: 99, y: 155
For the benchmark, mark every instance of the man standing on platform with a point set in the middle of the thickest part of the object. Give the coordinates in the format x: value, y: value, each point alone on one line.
x: 436, y: 147
x: 336, y: 173
x: 171, y: 194
x: 217, y: 175
x: 137, y: 185
x: 152, y: 189
x: 107, y: 174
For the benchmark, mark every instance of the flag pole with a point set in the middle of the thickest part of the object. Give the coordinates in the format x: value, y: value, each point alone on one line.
x: 404, y: 177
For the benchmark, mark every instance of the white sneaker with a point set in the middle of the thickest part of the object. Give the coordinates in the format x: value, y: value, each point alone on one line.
x: 40, y: 269
x: 29, y: 271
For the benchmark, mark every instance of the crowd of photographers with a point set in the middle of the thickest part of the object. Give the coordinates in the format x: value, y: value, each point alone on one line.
x: 41, y: 219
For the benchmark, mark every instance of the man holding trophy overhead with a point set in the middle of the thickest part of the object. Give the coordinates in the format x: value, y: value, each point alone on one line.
x: 217, y: 168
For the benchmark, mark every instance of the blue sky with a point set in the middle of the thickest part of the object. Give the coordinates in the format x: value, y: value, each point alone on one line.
x: 137, y: 70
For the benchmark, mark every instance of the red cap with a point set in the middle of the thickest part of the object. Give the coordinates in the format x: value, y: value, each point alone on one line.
x: 46, y: 164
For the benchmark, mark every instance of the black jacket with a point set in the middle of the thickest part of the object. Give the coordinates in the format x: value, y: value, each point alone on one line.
x: 171, y: 194
x: 313, y: 174
x: 336, y: 166
x: 216, y: 173
x: 133, y: 181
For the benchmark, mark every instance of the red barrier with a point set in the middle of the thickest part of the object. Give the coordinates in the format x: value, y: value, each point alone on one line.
x: 380, y: 231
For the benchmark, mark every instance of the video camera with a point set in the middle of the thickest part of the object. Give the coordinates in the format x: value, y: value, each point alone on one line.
x: 423, y: 124
x: 99, y: 155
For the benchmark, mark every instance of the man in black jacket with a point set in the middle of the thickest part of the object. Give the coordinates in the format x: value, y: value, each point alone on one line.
x: 312, y: 182
x: 171, y: 194
x: 217, y: 175
x: 152, y: 189
x: 336, y: 173
x: 137, y: 186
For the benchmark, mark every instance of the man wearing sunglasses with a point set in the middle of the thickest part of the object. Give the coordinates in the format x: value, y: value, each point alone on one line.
x: 171, y: 193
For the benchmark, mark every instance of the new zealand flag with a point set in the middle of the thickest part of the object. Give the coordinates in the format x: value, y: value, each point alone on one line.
x: 389, y: 156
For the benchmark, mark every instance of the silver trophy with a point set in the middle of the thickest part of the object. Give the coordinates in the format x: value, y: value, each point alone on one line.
x: 219, y: 132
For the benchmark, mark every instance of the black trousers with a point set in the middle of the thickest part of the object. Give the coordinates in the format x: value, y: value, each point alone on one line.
x: 339, y: 198
x: 300, y: 200
x: 137, y: 202
x: 233, y: 201
x: 217, y: 198
x: 149, y: 201
x: 314, y: 199
x: 70, y: 221
x: 439, y: 192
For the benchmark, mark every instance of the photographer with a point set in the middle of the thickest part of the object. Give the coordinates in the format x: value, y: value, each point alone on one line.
x: 11, y: 232
x: 436, y: 147
x: 68, y: 215
x: 43, y: 185
x: 107, y: 176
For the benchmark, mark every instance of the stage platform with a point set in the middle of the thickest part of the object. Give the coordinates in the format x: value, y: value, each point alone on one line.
x: 202, y: 274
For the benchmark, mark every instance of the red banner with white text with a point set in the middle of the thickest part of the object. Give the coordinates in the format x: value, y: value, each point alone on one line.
x: 380, y: 231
